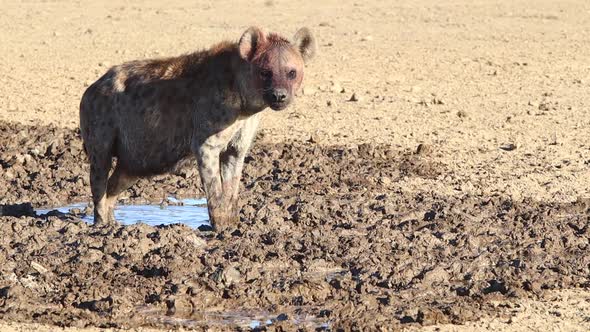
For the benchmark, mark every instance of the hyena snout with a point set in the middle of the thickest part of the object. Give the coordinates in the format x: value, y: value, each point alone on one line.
x: 278, y: 98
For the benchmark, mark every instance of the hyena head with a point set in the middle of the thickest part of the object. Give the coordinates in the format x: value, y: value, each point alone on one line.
x: 276, y: 64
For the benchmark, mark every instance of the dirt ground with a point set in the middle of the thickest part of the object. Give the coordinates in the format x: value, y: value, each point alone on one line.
x: 451, y: 193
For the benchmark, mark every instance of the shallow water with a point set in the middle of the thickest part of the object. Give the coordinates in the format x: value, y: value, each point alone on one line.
x: 244, y: 319
x: 191, y: 212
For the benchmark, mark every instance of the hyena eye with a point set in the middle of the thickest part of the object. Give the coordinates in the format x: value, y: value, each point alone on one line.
x: 266, y: 74
x: 292, y: 74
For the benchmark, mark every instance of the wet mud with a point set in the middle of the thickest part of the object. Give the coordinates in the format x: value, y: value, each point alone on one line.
x: 329, y: 237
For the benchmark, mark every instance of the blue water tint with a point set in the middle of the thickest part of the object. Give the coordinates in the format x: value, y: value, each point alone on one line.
x: 192, y: 213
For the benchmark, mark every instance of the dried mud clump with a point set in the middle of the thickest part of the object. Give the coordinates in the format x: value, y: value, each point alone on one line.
x: 328, y: 235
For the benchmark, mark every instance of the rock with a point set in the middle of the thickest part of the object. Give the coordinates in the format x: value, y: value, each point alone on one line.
x: 336, y: 87
x: 355, y: 98
x: 53, y: 148
x: 436, y: 275
x: 252, y: 274
x: 8, y: 175
x: 508, y: 147
x: 20, y: 159
x: 29, y: 282
x: 230, y: 276
x: 39, y: 268
x: 195, y: 240
x: 90, y: 256
x: 424, y: 149
x: 367, y: 38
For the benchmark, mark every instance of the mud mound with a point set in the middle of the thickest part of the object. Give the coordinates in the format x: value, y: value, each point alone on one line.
x: 327, y: 236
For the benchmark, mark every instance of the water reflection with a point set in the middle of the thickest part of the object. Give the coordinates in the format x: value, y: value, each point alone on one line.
x: 191, y: 212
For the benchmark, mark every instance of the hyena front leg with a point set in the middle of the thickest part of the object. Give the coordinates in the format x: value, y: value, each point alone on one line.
x: 232, y: 163
x: 208, y: 160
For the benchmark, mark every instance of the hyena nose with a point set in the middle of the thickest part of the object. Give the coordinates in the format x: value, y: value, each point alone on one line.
x: 279, y: 95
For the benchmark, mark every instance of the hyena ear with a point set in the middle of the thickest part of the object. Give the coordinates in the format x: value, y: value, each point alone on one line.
x: 250, y: 42
x: 305, y: 43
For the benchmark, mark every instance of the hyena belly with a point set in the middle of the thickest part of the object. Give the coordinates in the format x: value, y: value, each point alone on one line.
x: 152, y: 137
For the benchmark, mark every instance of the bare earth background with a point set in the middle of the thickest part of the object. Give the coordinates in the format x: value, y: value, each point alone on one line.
x: 496, y: 91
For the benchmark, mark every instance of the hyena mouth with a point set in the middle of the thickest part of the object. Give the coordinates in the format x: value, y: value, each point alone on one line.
x: 278, y: 106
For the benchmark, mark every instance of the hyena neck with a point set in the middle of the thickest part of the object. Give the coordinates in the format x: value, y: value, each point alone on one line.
x: 223, y: 67
x: 251, y: 98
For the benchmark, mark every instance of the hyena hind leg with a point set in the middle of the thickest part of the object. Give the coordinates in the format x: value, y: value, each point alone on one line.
x: 99, y: 172
x: 118, y: 182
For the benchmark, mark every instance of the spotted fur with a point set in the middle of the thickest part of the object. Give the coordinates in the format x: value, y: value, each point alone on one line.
x: 152, y: 114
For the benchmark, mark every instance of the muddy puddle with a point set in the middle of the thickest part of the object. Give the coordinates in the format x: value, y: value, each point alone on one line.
x: 240, y: 319
x: 190, y: 212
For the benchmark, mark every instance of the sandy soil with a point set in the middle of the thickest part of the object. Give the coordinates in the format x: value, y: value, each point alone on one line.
x: 495, y: 91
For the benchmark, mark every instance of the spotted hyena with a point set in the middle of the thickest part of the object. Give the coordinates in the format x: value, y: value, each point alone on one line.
x: 153, y: 114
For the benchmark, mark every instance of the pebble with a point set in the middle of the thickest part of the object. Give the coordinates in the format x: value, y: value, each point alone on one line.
x: 196, y: 240
x: 230, y: 275
x: 336, y: 87
x: 8, y: 175
x: 423, y: 149
x: 508, y: 146
x: 39, y: 268
x: 355, y: 98
x: 28, y: 160
x: 20, y: 159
